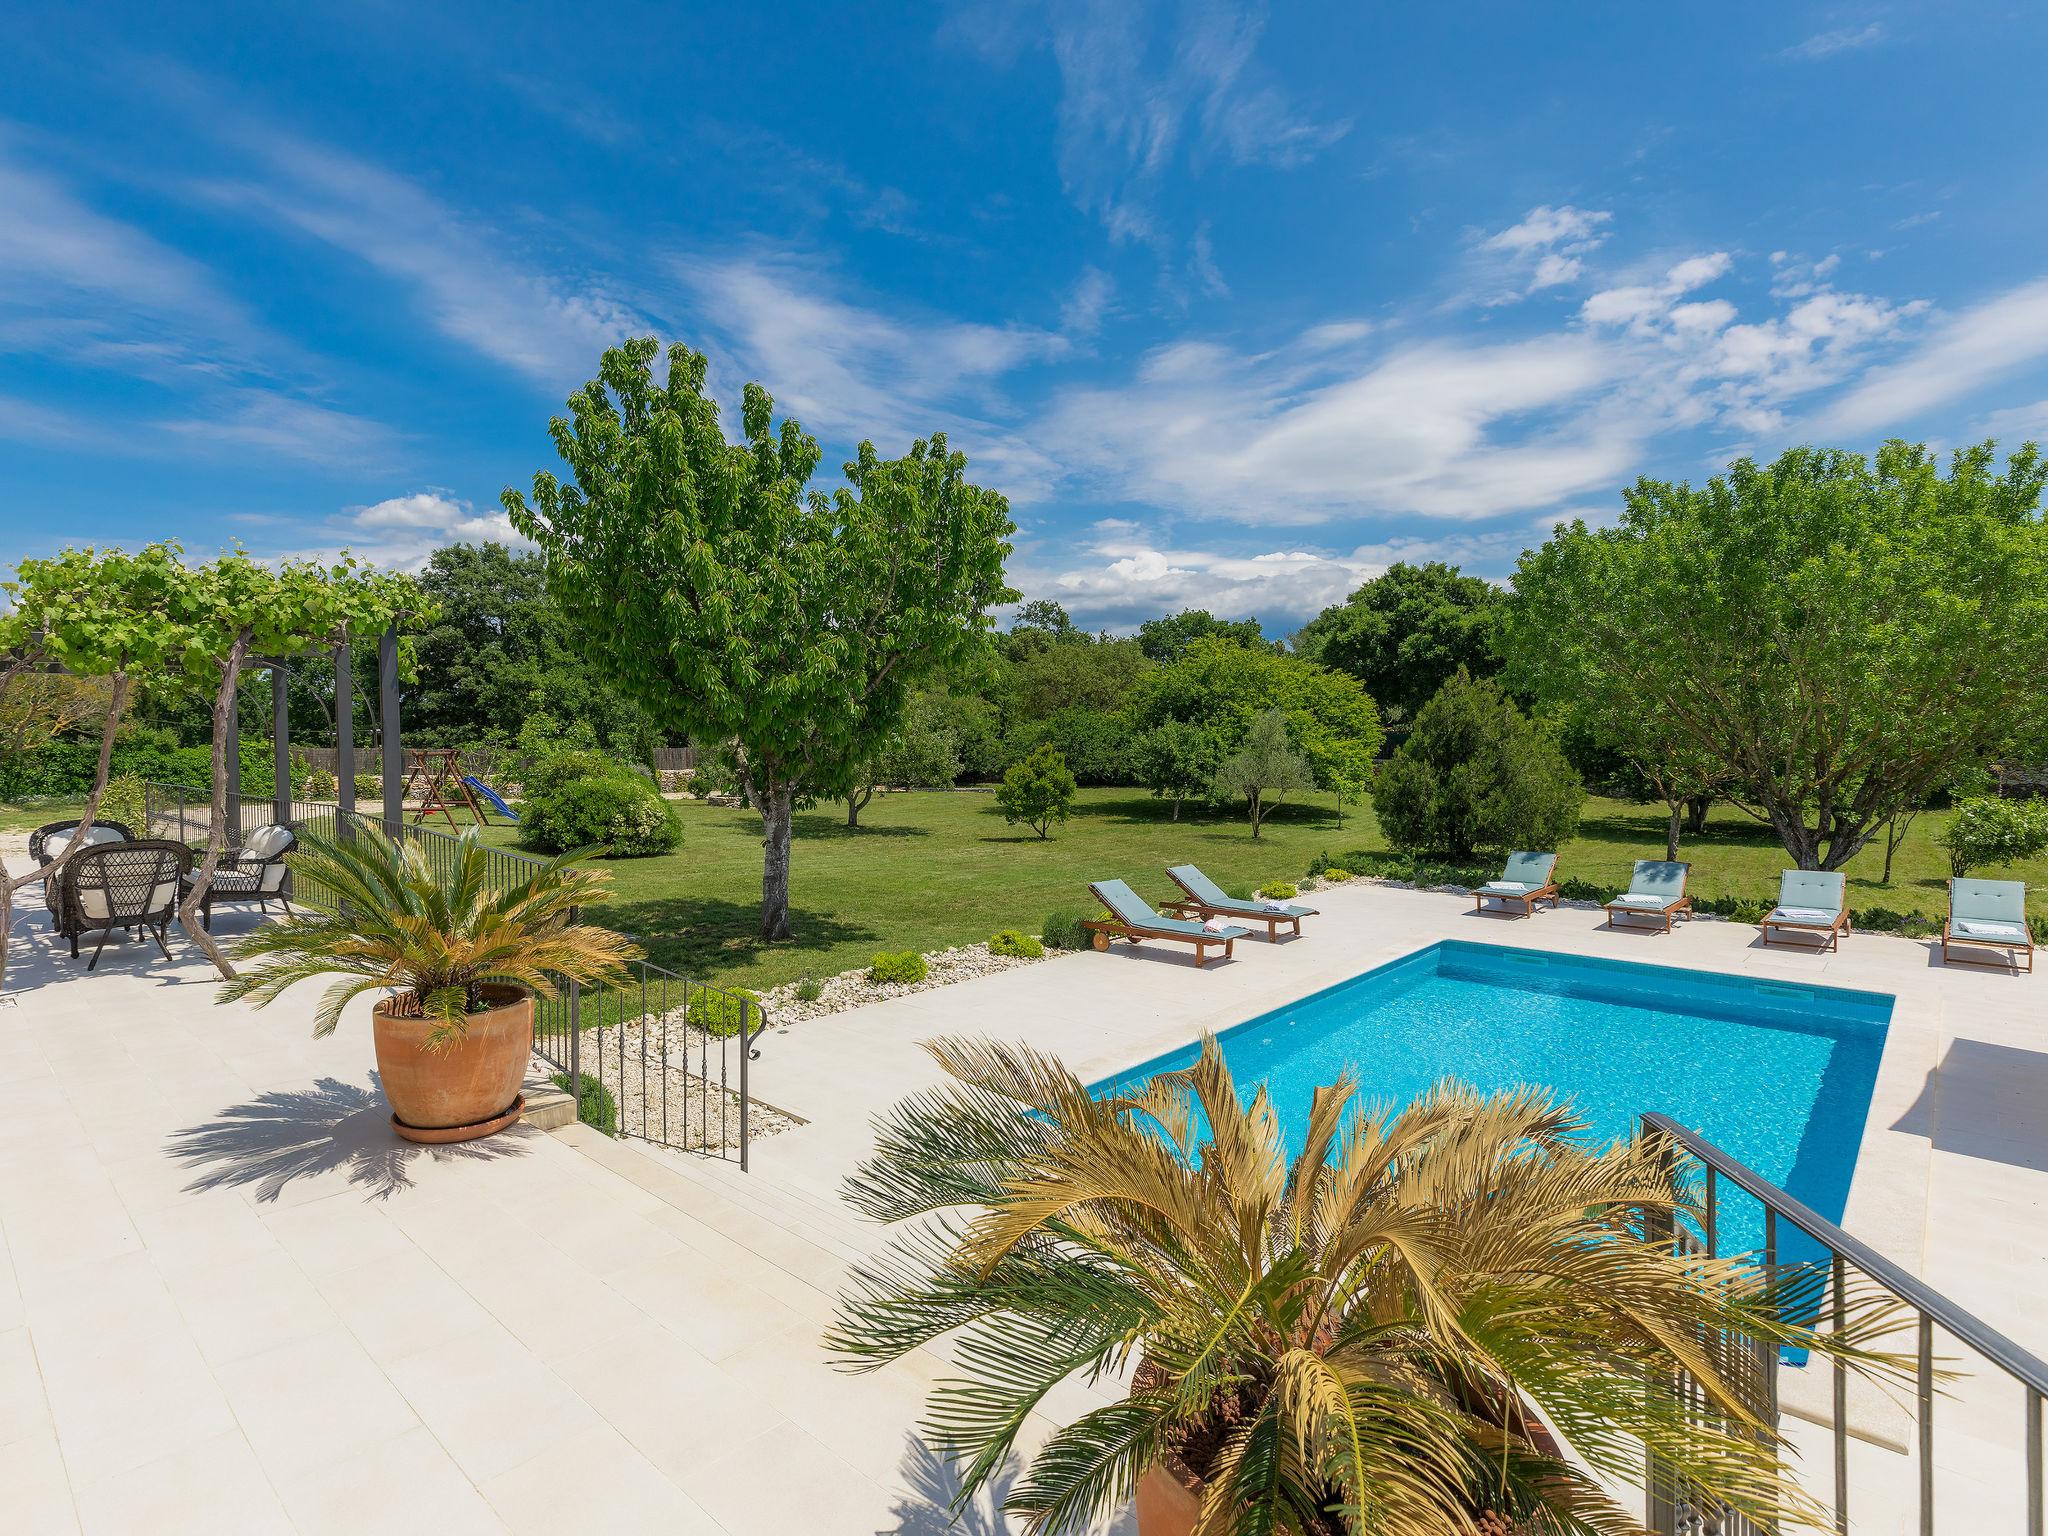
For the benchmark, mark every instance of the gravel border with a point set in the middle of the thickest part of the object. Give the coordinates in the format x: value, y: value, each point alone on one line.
x: 852, y: 989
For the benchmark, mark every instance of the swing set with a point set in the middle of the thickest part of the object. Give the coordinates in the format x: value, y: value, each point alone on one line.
x: 447, y: 787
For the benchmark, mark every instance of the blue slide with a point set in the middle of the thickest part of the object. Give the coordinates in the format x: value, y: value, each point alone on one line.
x: 491, y: 795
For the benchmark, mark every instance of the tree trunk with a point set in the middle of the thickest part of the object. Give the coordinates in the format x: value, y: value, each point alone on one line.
x: 1257, y: 814
x: 217, y: 820
x: 1176, y: 807
x: 856, y: 802
x: 776, y: 801
x: 1672, y: 823
x: 1696, y: 808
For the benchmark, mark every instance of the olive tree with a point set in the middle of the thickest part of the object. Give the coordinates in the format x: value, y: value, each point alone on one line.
x: 1264, y: 769
x: 737, y: 604
x: 1842, y: 636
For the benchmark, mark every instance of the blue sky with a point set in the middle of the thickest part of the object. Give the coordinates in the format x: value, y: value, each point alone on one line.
x: 1237, y: 305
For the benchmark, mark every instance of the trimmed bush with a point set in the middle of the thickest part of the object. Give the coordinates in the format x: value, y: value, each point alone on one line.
x: 595, y: 1107
x: 1062, y: 929
x: 1279, y: 890
x: 724, y: 1014
x: 1992, y: 830
x: 809, y: 989
x: 1335, y: 875
x: 1016, y: 944
x: 904, y: 967
x: 369, y: 786
x: 321, y: 785
x: 613, y: 809
x: 1476, y: 773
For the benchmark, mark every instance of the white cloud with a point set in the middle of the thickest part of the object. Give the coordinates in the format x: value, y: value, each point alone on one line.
x: 1129, y: 580
x: 1847, y: 39
x: 1543, y: 227
x: 2016, y: 424
x: 1959, y: 356
x: 1546, y: 249
x: 1202, y: 265
x: 402, y: 532
x: 284, y: 427
x: 1093, y: 294
x: 549, y: 328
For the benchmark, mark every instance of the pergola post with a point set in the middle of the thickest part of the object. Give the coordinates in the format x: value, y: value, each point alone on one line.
x: 387, y: 730
x: 280, y: 746
x: 344, y: 731
x: 234, y: 767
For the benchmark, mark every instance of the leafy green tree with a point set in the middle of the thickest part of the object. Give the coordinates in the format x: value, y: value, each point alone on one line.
x: 1265, y: 768
x: 1476, y: 773
x: 1223, y: 687
x: 1177, y: 761
x: 735, y: 604
x: 923, y: 754
x: 1164, y: 639
x: 1081, y: 674
x: 1047, y: 617
x: 1406, y: 632
x: 1994, y: 830
x: 1038, y: 791
x: 1095, y: 743
x: 1845, y: 636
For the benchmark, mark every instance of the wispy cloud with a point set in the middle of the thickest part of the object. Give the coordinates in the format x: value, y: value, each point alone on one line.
x: 1960, y: 355
x: 401, y: 532
x: 282, y: 426
x: 1546, y: 248
x: 1848, y: 39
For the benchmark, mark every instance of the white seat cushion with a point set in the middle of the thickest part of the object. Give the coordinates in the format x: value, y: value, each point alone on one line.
x: 93, y: 902
x: 1639, y: 899
x: 266, y: 842
x: 1984, y: 928
x: 1814, y: 917
x: 1507, y: 888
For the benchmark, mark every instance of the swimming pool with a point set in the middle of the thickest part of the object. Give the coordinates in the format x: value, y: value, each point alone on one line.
x: 1778, y: 1075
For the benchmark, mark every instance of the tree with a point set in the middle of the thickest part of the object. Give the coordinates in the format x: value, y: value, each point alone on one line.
x: 1476, y: 773
x: 1079, y: 674
x: 1178, y: 761
x: 734, y: 604
x: 1265, y: 769
x: 1048, y: 617
x: 1405, y: 633
x: 1224, y: 687
x: 1846, y: 637
x: 1165, y: 639
x: 923, y: 754
x: 1038, y: 791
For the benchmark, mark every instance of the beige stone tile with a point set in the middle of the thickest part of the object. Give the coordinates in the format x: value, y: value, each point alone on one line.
x: 34, y: 1491
x: 409, y: 1482
x: 212, y: 1488
x: 326, y: 1237
x: 861, y: 1418
x: 311, y: 1401
x: 250, y: 1307
x: 614, y: 1487
x: 490, y: 1400
x: 786, y: 1481
x: 24, y: 1411
x: 401, y: 1304
x: 128, y: 1397
x: 689, y: 1296
x: 677, y: 1408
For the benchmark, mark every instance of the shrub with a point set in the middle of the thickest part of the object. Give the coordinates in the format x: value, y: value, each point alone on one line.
x: 1740, y: 909
x: 1335, y: 875
x: 1573, y: 888
x: 1038, y: 791
x: 1318, y: 864
x: 904, y: 968
x: 1237, y: 890
x: 1476, y: 773
x: 127, y: 802
x: 1017, y: 944
x: 1062, y: 929
x: 369, y: 786
x: 616, y: 810
x: 595, y: 1106
x: 1992, y: 830
x: 809, y: 989
x: 1279, y: 890
x: 1887, y: 920
x: 321, y: 785
x: 724, y: 1013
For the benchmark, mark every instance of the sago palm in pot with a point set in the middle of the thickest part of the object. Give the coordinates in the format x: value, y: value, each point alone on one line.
x: 459, y: 957
x: 1460, y: 1318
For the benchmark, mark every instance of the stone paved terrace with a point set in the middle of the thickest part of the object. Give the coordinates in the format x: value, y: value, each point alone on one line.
x: 231, y: 1301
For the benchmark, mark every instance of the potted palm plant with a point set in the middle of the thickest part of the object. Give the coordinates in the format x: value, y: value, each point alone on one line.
x: 459, y: 959
x: 1460, y: 1318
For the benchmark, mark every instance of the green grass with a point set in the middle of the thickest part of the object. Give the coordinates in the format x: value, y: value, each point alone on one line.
x: 26, y: 818
x: 930, y: 870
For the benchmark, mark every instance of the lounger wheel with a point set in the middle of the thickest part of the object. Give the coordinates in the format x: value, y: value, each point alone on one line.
x: 1100, y: 942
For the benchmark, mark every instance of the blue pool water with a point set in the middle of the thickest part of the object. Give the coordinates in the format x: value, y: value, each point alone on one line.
x: 1778, y: 1075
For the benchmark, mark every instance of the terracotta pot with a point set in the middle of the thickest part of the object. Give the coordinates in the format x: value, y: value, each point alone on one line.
x: 1166, y: 1505
x: 465, y: 1090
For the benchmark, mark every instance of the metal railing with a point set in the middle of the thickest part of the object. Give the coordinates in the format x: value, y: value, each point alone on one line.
x: 658, y: 1056
x: 1840, y: 1254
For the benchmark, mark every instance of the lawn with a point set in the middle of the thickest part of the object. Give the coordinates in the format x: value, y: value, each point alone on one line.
x: 928, y: 870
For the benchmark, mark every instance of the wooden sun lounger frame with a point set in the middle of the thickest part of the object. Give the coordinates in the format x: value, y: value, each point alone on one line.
x: 2013, y: 947
x: 1528, y: 899
x: 1191, y: 903
x: 1830, y: 933
x: 1682, y: 904
x: 1113, y: 927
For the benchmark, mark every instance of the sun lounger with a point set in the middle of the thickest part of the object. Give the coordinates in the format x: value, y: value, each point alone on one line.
x: 1205, y: 899
x: 1811, y: 901
x: 1991, y: 913
x: 1657, y: 889
x: 1133, y: 918
x: 1528, y: 879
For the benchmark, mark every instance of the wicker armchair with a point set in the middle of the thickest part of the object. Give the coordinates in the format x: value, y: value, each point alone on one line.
x: 46, y: 844
x: 256, y: 872
x: 132, y: 885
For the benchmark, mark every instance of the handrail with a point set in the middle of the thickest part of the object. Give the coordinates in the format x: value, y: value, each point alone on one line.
x: 2022, y: 1364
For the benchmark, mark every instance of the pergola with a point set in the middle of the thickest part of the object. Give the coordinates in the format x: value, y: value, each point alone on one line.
x: 393, y: 764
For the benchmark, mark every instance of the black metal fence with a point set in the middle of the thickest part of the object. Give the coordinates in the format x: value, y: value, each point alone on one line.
x: 657, y: 1056
x: 1788, y: 1224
